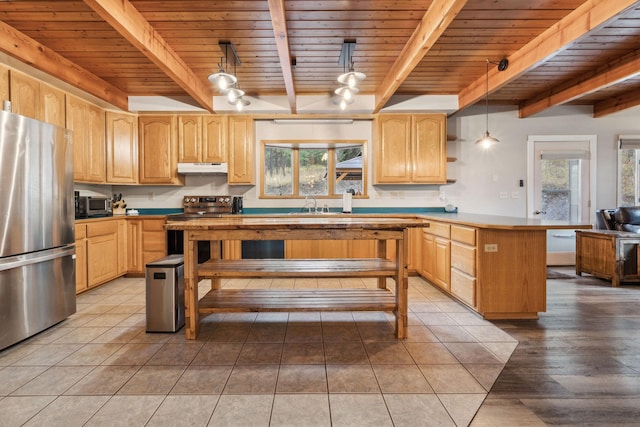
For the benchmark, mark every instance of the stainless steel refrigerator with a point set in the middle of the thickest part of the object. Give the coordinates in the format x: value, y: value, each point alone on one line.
x: 37, y: 251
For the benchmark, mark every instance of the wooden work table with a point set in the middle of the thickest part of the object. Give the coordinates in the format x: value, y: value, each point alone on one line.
x: 294, y: 227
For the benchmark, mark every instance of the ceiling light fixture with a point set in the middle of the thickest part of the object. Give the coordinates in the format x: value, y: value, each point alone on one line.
x: 487, y: 140
x: 349, y: 78
x: 224, y: 81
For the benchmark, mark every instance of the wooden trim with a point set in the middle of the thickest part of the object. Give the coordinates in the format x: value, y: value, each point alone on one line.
x: 126, y: 19
x: 434, y: 22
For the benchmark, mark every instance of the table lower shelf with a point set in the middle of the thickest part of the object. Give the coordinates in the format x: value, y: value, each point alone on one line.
x: 264, y: 300
x: 334, y: 267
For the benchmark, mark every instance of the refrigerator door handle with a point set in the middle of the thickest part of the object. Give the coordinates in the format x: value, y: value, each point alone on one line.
x: 17, y: 261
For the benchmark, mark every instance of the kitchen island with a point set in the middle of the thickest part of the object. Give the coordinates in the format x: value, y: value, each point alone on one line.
x: 293, y: 227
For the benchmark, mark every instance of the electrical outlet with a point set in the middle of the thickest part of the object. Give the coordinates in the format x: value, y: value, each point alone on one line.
x: 491, y: 247
x: 515, y: 194
x: 503, y: 195
x: 151, y: 195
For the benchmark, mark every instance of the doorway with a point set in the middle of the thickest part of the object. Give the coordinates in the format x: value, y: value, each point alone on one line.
x: 561, y: 186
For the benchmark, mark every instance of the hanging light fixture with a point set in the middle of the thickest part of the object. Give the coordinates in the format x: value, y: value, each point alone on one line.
x: 349, y: 78
x: 487, y: 140
x: 224, y: 80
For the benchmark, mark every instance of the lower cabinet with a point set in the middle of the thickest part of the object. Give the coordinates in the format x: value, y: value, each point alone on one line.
x: 464, y: 264
x: 436, y: 254
x: 81, y: 258
x: 102, y: 252
x: 146, y: 242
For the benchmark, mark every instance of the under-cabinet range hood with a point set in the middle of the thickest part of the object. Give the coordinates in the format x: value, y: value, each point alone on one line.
x: 203, y: 168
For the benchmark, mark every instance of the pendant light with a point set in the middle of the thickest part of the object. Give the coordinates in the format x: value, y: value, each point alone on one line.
x: 350, y: 78
x: 224, y: 81
x: 487, y: 140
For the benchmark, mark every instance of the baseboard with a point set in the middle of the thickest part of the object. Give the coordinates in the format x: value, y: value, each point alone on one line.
x: 561, y: 258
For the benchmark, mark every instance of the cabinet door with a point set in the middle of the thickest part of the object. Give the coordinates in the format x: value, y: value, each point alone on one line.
x: 189, y: 138
x: 4, y: 83
x: 122, y: 148
x: 393, y: 152
x: 95, y: 137
x: 241, y: 151
x: 428, y: 256
x: 81, y: 265
x: 442, y: 263
x: 75, y: 121
x: 102, y: 253
x: 122, y: 246
x: 154, y: 240
x: 134, y: 246
x: 52, y: 105
x: 214, y: 137
x: 158, y: 150
x: 429, y: 156
x: 25, y: 95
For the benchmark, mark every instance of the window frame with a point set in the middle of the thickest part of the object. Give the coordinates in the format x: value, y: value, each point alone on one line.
x: 296, y: 145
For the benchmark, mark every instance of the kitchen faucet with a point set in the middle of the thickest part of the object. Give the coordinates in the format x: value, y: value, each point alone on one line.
x: 307, y: 203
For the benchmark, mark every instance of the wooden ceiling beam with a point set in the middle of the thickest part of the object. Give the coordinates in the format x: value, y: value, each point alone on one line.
x: 126, y: 19
x: 436, y: 19
x: 617, y: 103
x: 279, y: 20
x: 624, y: 70
x: 29, y: 51
x: 592, y: 14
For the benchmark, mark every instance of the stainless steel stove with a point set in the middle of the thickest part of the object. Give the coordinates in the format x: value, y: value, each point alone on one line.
x: 204, y: 207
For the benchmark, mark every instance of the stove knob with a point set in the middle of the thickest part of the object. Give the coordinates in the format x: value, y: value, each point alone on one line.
x: 193, y: 200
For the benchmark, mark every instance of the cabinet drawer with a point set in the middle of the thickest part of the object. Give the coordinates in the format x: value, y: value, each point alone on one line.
x: 438, y: 229
x: 153, y: 225
x: 463, y: 287
x: 463, y: 234
x: 81, y: 231
x: 101, y: 228
x: 463, y: 258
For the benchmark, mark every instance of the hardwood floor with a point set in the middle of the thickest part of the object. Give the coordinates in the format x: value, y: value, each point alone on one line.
x: 579, y: 364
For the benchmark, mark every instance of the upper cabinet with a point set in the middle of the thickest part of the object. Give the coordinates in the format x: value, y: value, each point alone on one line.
x: 122, y: 148
x: 88, y: 125
x: 202, y: 138
x: 32, y: 98
x: 411, y: 149
x: 241, y: 151
x: 159, y: 150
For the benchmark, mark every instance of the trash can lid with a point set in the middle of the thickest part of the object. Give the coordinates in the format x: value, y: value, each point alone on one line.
x: 168, y: 261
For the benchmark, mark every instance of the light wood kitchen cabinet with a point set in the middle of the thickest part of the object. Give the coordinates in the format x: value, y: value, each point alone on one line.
x: 158, y: 150
x: 122, y: 246
x: 436, y: 250
x: 241, y: 151
x: 32, y: 98
x: 102, y: 252
x: 4, y: 83
x: 202, y: 138
x: 122, y: 148
x: 411, y: 149
x: 81, y: 258
x: 87, y: 122
x: 463, y: 263
x: 146, y: 242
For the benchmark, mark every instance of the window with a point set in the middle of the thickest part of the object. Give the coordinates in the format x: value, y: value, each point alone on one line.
x: 321, y: 169
x: 628, y: 171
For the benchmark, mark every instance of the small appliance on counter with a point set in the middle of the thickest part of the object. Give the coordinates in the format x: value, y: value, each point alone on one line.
x: 92, y: 207
x: 236, y: 207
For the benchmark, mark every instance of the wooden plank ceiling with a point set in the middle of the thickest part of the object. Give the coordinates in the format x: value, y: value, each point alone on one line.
x: 560, y: 51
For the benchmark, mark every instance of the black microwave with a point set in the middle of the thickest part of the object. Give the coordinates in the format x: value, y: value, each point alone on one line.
x: 88, y: 207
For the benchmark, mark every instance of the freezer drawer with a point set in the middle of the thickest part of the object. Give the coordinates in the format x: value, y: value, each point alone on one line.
x: 37, y: 291
x: 165, y: 294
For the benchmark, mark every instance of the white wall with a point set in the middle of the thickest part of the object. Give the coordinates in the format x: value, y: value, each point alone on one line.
x: 481, y: 175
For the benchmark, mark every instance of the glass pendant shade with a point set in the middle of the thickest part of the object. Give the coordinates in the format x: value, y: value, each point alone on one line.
x: 223, y: 80
x: 233, y: 94
x: 351, y: 78
x: 487, y: 140
x: 240, y: 103
x: 347, y: 92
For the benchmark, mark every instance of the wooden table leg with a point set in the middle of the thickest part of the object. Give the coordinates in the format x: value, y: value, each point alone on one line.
x: 216, y: 253
x: 402, y: 285
x: 190, y: 287
x: 382, y: 253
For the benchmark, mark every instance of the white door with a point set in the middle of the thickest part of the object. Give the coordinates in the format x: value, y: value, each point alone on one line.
x: 561, y: 187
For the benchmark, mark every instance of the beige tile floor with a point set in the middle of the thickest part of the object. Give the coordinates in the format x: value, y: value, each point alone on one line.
x: 100, y: 367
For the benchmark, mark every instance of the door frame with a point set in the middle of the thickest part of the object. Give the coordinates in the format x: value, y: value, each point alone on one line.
x: 562, y: 258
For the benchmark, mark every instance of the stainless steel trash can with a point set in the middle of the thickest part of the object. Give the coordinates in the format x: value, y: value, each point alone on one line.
x: 165, y: 294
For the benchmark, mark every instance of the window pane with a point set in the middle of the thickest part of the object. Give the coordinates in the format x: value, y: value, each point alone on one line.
x: 348, y: 170
x: 278, y: 169
x: 313, y: 171
x: 561, y: 189
x: 628, y: 171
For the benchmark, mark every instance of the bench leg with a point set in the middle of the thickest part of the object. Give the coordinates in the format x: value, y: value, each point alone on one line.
x: 402, y: 285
